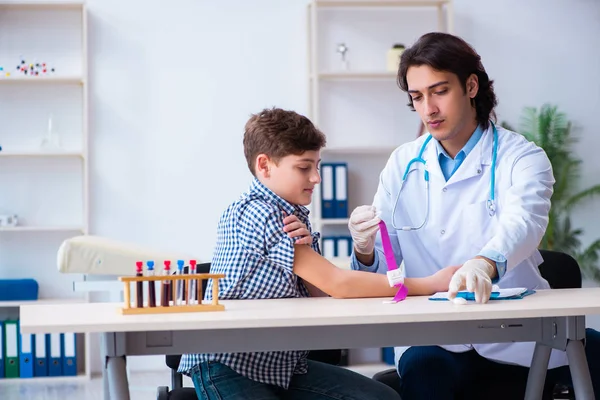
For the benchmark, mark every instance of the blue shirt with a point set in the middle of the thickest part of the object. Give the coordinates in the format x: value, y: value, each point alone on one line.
x: 449, y: 166
x: 257, y: 258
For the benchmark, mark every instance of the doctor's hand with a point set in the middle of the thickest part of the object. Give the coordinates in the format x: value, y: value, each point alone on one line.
x: 296, y: 230
x: 363, y: 226
x: 475, y: 276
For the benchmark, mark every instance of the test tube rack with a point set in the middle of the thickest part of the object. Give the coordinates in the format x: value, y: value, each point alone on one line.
x: 175, y: 306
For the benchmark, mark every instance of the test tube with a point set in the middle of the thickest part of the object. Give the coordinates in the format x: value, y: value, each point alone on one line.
x: 139, y: 286
x: 192, y: 290
x: 151, y: 285
x: 180, y: 283
x: 166, y: 286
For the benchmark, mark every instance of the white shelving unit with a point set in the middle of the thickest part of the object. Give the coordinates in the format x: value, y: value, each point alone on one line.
x: 358, y: 105
x: 46, y: 187
x: 360, y: 108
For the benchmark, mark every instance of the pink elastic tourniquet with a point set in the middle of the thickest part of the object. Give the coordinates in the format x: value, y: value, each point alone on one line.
x: 391, y: 261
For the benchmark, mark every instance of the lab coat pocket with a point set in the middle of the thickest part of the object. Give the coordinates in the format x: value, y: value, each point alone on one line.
x: 478, y: 225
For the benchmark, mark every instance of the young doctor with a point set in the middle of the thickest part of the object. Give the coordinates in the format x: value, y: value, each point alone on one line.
x: 467, y: 193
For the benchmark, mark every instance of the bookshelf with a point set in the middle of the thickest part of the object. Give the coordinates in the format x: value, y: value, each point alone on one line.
x: 44, y: 150
x: 357, y: 104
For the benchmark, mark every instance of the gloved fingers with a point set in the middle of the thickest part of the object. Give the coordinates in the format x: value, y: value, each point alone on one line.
x: 368, y: 227
x: 456, y: 284
x: 482, y: 288
x: 362, y: 214
x: 474, y: 285
x: 486, y: 290
x: 471, y: 281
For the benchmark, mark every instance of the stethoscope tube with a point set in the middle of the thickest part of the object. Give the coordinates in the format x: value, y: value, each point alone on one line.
x: 491, y: 203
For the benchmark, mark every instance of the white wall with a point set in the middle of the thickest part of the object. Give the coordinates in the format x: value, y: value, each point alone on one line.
x: 172, y: 86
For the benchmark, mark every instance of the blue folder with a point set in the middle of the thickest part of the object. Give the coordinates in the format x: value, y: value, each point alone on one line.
x: 69, y: 355
x: 327, y: 190
x: 54, y: 354
x: 2, y: 375
x: 470, y: 296
x: 41, y: 363
x: 340, y: 193
x: 18, y: 289
x: 26, y: 356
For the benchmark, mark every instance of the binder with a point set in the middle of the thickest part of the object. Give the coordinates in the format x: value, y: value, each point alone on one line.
x: 26, y: 355
x: 54, y: 354
x: 11, y: 349
x: 387, y: 355
x: 69, y: 359
x: 1, y: 349
x: 341, y: 191
x: 18, y: 289
x: 327, y: 187
x: 329, y: 248
x: 41, y: 366
x: 344, y: 246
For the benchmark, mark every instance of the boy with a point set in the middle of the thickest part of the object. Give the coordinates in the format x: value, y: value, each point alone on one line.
x: 266, y: 249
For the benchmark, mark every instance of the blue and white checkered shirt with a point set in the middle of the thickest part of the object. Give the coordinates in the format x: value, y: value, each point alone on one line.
x: 257, y: 258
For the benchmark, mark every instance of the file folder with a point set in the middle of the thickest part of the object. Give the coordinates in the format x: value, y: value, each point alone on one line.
x: 1, y: 349
x: 341, y: 191
x: 329, y: 247
x: 344, y: 246
x: 41, y: 365
x: 54, y: 354
x: 26, y: 356
x: 11, y: 349
x: 327, y: 186
x: 69, y: 365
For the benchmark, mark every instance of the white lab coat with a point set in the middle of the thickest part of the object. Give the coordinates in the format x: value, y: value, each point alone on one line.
x: 459, y: 226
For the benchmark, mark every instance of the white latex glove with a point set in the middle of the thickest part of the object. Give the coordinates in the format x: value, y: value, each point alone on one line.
x: 475, y: 276
x: 363, y: 226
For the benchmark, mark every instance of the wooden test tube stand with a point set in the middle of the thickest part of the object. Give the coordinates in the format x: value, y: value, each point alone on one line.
x: 174, y: 308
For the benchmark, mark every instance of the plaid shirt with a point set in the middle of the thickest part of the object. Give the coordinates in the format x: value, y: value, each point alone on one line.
x: 257, y: 258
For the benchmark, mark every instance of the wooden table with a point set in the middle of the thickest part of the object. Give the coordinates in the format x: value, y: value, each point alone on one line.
x: 551, y: 318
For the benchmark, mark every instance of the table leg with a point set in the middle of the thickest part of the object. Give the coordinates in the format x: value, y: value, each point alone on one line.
x: 537, y: 372
x: 105, y: 384
x: 117, y: 375
x: 580, y: 372
x: 116, y: 385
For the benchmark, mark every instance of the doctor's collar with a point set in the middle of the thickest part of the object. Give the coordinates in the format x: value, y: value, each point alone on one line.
x: 470, y: 145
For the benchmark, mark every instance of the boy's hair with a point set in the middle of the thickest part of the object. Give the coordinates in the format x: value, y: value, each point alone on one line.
x: 279, y: 133
x: 446, y: 52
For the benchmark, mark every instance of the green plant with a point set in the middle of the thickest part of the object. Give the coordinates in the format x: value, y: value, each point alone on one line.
x: 550, y: 129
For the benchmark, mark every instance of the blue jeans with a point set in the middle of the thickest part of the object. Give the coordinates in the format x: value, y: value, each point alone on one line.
x: 431, y: 372
x: 216, y: 381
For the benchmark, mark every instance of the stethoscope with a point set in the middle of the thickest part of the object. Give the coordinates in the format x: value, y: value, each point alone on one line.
x: 491, y: 203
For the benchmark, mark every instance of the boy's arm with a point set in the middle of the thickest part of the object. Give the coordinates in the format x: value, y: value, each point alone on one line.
x: 313, y: 290
x: 340, y: 283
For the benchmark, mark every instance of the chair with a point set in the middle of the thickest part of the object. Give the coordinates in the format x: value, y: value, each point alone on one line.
x: 562, y: 272
x: 178, y: 392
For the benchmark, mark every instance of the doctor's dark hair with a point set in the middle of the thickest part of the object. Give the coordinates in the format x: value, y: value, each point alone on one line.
x: 279, y: 133
x: 445, y: 52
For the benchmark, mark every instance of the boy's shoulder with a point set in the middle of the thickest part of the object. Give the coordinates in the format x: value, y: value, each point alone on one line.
x: 251, y: 208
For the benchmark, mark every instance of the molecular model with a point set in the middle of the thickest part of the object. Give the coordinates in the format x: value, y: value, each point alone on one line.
x: 29, y: 69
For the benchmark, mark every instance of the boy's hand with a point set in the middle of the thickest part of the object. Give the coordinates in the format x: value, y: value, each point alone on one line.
x: 441, y: 280
x: 296, y: 229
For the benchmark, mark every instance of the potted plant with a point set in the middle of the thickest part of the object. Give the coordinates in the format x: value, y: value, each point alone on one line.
x: 550, y: 129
